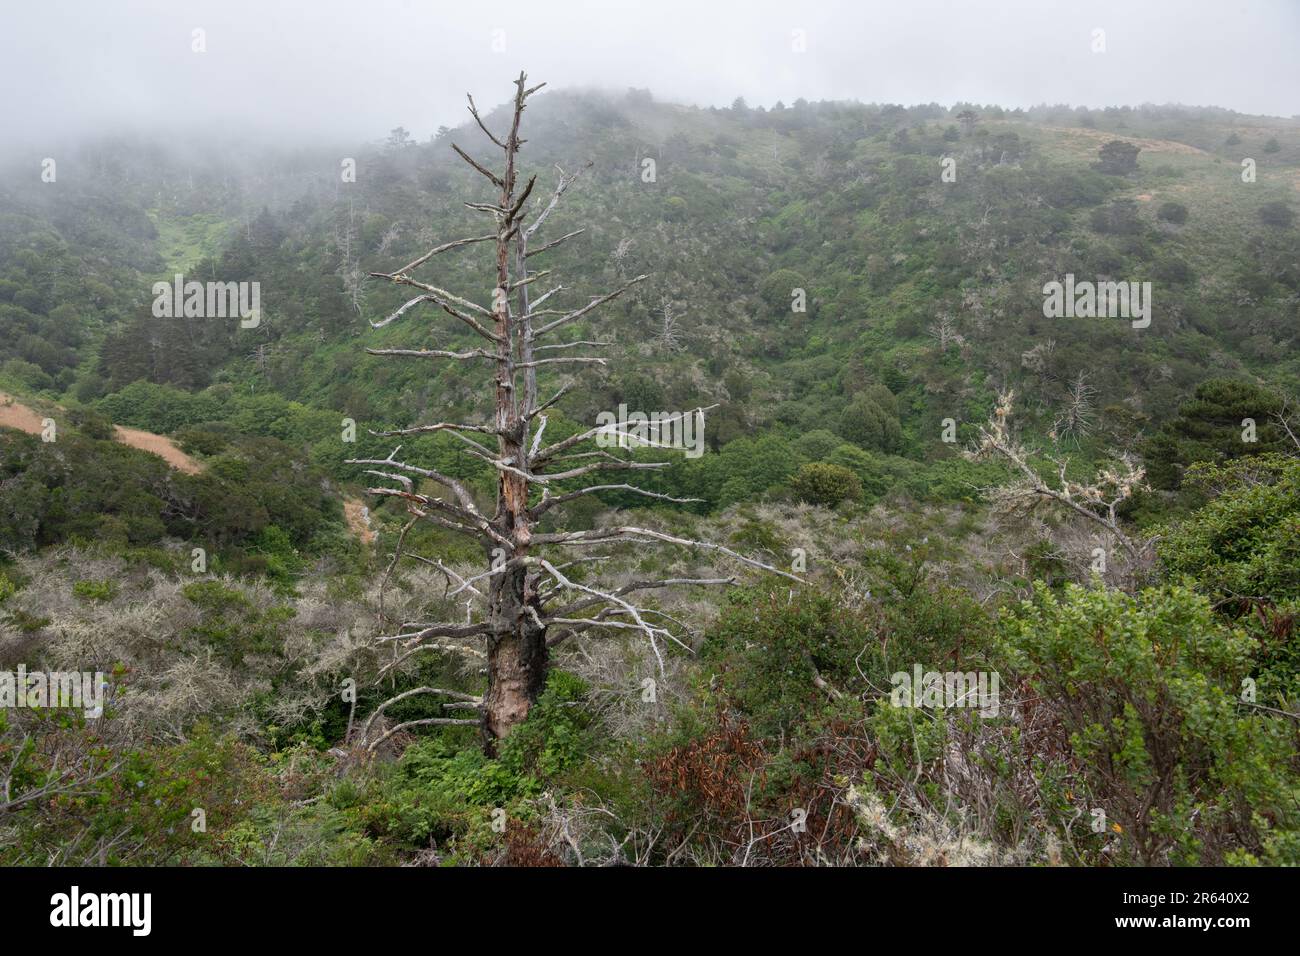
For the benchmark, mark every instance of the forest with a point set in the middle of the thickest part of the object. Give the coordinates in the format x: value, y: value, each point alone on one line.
x: 948, y: 579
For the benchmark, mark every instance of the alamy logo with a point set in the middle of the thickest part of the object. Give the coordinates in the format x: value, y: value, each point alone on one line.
x: 682, y: 431
x: 209, y: 300
x: 103, y: 909
x: 80, y: 690
x: 946, y: 689
x: 1087, y: 300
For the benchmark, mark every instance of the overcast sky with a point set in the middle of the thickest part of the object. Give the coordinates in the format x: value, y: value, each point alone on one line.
x: 353, y: 69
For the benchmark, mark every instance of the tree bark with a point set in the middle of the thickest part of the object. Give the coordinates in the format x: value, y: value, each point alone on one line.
x: 517, y: 649
x: 517, y: 658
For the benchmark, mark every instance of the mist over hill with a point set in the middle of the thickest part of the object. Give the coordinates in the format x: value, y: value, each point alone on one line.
x: 844, y: 201
x: 956, y: 395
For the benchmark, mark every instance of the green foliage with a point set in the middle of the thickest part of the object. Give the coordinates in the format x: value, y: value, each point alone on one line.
x: 438, y: 792
x: 283, y: 563
x: 871, y: 421
x: 1120, y: 218
x: 258, y: 503
x: 777, y: 291
x: 157, y: 408
x: 557, y: 736
x: 1146, y: 688
x: 91, y: 423
x: 1212, y: 427
x: 1277, y: 214
x: 198, y: 440
x: 879, y: 474
x: 233, y: 625
x: 1174, y: 212
x: 95, y: 590
x: 926, y: 619
x: 775, y: 644
x: 955, y: 479
x: 757, y: 536
x: 138, y: 808
x: 214, y: 596
x: 818, y: 444
x: 444, y: 791
x: 1242, y: 549
x: 743, y: 471
x: 1246, y: 541
x: 1117, y: 158
x: 820, y: 483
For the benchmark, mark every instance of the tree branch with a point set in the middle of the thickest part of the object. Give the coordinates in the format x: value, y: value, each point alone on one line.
x: 589, y: 307
x: 609, y: 534
x: 442, y: 248
x: 496, y: 180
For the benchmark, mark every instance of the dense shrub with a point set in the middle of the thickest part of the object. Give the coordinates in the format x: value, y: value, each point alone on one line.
x: 871, y: 421
x: 776, y: 646
x: 1242, y: 549
x: 1148, y: 689
x: 820, y: 483
x: 1174, y: 212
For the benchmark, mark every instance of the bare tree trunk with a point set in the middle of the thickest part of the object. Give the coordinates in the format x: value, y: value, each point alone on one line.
x: 517, y: 657
x: 517, y: 648
x: 515, y: 616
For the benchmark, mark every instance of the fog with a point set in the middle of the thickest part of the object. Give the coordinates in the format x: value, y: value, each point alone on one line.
x: 346, y: 70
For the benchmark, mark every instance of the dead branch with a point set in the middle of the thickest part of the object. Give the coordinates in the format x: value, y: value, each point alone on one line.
x: 1087, y: 499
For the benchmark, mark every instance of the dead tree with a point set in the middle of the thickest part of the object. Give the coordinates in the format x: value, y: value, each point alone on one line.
x: 1283, y: 416
x: 621, y: 252
x: 669, y: 337
x: 944, y: 331
x: 349, y: 269
x: 1097, y: 500
x: 525, y: 602
x: 1077, y: 418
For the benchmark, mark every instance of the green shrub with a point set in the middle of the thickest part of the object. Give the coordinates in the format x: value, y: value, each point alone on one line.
x: 1174, y: 212
x: 203, y: 440
x: 1147, y: 689
x: 445, y: 789
x: 137, y: 807
x: 1277, y: 214
x: 757, y: 536
x: 820, y: 483
x: 1242, y: 549
x: 871, y: 422
x: 95, y: 590
x: 91, y: 423
x: 817, y: 444
x: 773, y: 648
x: 557, y: 735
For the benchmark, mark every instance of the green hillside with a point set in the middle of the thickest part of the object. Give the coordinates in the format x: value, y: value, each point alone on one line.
x: 856, y: 294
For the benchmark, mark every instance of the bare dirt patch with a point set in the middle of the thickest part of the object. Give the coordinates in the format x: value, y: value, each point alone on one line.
x: 158, y: 445
x: 14, y: 414
x: 358, y: 519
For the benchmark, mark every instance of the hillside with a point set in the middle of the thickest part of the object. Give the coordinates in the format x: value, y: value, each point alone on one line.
x: 843, y: 201
x: 906, y: 462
